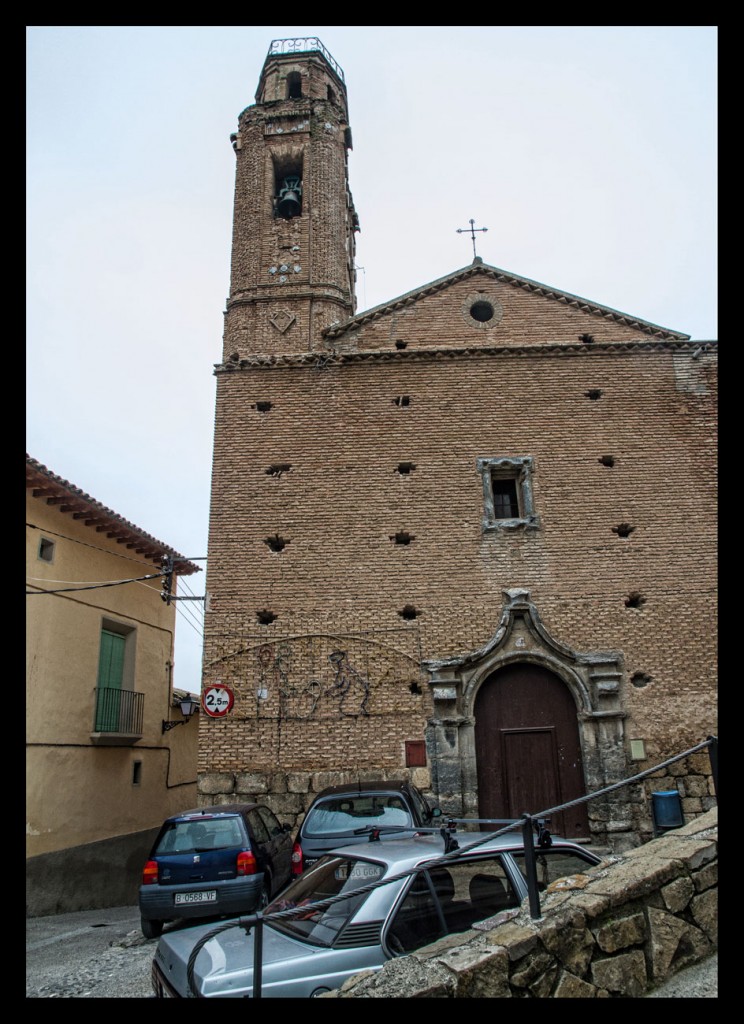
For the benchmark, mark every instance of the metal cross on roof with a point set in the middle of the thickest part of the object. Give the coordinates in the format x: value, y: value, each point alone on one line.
x: 472, y: 230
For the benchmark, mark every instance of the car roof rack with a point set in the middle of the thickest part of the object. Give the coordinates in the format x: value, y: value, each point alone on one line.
x: 447, y: 830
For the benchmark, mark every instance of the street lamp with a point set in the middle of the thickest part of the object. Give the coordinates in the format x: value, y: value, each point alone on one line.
x: 188, y: 707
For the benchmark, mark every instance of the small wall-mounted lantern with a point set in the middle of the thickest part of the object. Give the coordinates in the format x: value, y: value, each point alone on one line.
x: 188, y: 707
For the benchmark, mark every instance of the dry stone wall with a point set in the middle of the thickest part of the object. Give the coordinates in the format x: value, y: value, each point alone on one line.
x: 619, y: 932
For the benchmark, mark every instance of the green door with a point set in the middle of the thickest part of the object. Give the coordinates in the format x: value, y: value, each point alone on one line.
x: 110, y: 676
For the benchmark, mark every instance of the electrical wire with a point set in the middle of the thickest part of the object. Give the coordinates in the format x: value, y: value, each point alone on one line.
x: 85, y: 544
x: 45, y: 579
x: 188, y: 608
x: 196, y: 629
x: 182, y: 580
x: 188, y: 614
x: 97, y: 586
x: 194, y: 623
x: 191, y: 621
x: 185, y: 613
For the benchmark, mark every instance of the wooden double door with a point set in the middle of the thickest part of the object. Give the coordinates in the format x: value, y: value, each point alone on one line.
x: 527, y: 748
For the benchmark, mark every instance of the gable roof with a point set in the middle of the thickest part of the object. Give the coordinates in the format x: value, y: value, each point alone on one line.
x: 79, y: 505
x: 480, y: 269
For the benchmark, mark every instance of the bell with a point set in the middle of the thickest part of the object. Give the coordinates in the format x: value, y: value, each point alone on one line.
x: 288, y: 201
x: 288, y: 205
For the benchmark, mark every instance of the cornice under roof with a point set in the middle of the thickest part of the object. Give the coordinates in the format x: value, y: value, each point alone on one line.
x: 479, y: 268
x: 72, y: 500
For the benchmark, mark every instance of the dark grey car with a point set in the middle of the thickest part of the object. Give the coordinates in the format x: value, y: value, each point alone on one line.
x: 351, y: 813
x: 210, y: 861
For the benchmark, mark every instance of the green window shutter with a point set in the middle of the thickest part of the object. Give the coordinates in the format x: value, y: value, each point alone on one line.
x: 110, y: 677
x: 111, y: 660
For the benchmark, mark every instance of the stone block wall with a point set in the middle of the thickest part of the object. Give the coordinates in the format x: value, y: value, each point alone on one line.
x: 618, y: 932
x: 289, y: 794
x: 691, y: 778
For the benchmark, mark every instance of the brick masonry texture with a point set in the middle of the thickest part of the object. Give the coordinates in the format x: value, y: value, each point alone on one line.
x: 343, y: 499
x: 527, y: 318
x: 307, y: 135
x: 319, y: 618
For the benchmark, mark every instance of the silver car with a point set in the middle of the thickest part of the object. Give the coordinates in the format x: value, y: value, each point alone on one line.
x: 306, y: 953
x: 341, y: 815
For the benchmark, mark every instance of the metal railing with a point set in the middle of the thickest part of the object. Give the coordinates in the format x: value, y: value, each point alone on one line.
x: 303, y: 44
x: 119, y: 711
x: 531, y: 825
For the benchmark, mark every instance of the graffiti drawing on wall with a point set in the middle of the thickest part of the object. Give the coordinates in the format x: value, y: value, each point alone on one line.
x: 274, y: 666
x: 349, y: 687
x: 330, y: 674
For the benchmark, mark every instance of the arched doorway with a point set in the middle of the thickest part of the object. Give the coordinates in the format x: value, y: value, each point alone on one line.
x: 528, y: 753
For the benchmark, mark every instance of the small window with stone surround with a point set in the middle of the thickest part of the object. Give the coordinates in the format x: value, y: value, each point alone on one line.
x: 507, y: 493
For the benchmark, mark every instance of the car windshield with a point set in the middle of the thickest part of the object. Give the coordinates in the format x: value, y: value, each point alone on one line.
x: 337, y: 816
x: 199, y: 836
x: 331, y: 876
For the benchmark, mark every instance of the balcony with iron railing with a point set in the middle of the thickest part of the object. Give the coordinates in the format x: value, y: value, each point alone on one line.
x: 118, y: 715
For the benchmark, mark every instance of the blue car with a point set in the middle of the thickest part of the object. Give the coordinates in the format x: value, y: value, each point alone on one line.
x: 211, y: 861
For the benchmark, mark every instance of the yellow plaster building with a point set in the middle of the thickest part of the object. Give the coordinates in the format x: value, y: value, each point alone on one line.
x: 103, y: 769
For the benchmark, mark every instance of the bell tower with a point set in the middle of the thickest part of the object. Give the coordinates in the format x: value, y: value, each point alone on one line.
x: 292, y: 271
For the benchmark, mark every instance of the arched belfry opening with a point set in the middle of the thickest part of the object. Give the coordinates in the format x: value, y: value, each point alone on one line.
x: 294, y: 85
x: 526, y: 723
x: 287, y: 185
x: 292, y: 266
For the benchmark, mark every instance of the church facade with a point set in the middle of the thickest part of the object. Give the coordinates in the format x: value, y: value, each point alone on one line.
x: 466, y: 537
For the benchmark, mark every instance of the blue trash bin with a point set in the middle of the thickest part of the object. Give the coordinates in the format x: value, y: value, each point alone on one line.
x: 667, y: 810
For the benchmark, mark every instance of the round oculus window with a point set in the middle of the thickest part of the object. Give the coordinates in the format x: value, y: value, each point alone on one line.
x: 482, y: 311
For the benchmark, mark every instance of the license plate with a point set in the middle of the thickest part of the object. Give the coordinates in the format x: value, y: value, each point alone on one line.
x: 209, y: 896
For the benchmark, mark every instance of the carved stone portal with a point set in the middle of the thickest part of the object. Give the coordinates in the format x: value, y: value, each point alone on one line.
x: 594, y: 682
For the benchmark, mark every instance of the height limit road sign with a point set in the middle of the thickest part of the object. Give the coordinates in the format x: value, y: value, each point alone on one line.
x: 217, y: 701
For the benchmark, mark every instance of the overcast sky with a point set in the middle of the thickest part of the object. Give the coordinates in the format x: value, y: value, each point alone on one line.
x: 589, y: 154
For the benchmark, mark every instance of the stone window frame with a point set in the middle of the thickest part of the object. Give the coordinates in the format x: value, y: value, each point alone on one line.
x: 484, y: 297
x: 519, y: 469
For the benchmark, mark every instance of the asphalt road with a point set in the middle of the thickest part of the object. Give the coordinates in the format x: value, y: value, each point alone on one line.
x: 102, y: 954
x: 90, y: 954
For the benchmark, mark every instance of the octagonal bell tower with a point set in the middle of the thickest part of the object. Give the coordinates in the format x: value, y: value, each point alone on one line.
x: 292, y: 271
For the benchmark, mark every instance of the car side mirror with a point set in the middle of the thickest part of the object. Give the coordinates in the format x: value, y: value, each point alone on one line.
x: 435, y: 812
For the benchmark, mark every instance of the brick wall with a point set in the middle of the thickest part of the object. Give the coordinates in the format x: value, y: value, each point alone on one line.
x: 340, y: 583
x: 347, y: 541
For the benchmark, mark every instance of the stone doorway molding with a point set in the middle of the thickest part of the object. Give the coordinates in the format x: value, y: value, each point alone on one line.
x: 593, y: 679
